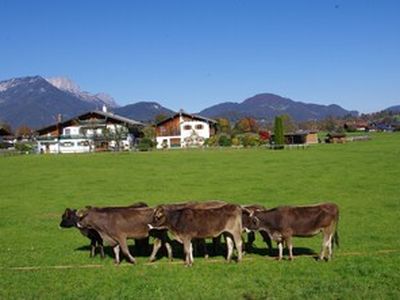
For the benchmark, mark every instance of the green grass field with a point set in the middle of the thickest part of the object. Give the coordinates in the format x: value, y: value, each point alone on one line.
x: 39, y: 260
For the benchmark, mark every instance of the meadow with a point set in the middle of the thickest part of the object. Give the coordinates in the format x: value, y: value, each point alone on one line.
x: 39, y: 260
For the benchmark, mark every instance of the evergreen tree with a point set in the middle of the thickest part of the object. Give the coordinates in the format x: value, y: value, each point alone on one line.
x: 278, y: 131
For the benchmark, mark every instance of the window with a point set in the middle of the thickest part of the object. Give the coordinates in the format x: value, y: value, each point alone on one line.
x: 199, y: 126
x: 67, y: 131
x: 83, y: 143
x: 187, y: 127
x: 67, y: 144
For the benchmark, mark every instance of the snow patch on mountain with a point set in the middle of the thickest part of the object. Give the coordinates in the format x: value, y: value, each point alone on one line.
x: 67, y: 85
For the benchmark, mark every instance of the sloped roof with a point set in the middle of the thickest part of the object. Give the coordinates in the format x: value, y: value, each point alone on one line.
x: 106, y: 115
x: 192, y: 116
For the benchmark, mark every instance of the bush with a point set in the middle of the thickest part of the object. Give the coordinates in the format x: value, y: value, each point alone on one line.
x: 235, y: 141
x: 212, y: 141
x: 250, y: 140
x: 145, y: 144
x: 224, y: 141
x: 23, y: 147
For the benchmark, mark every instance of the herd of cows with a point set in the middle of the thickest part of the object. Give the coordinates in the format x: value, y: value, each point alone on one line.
x: 190, y: 223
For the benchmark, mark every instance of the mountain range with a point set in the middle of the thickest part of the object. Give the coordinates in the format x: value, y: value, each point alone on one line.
x: 266, y: 106
x: 36, y: 102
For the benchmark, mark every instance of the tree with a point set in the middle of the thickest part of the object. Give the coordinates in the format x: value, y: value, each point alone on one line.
x: 223, y: 126
x: 278, y: 131
x: 246, y: 125
x: 24, y: 131
x: 288, y: 124
x: 5, y: 126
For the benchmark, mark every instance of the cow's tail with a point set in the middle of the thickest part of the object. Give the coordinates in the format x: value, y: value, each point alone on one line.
x: 336, y: 234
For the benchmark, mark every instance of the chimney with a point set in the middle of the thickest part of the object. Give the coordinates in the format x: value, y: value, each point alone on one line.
x: 104, y: 108
x: 59, y: 118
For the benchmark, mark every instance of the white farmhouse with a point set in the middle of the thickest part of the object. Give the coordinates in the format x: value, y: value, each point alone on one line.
x: 90, y: 132
x: 184, y: 130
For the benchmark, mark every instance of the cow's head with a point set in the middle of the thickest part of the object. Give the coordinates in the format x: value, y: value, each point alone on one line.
x: 69, y: 218
x: 249, y: 221
x: 159, y: 219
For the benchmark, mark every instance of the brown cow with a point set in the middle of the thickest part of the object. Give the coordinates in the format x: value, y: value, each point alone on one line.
x: 187, y: 223
x: 117, y: 225
x: 282, y: 223
x: 250, y: 209
x: 70, y: 219
x: 200, y: 244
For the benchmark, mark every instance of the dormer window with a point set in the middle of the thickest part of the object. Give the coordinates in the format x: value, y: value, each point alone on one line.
x: 199, y: 126
x: 187, y: 127
x: 67, y: 131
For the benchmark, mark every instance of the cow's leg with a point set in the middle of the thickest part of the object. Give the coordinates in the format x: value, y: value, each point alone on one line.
x: 280, y: 247
x: 238, y: 244
x: 125, y: 250
x: 229, y: 245
x: 251, y: 237
x: 267, y: 240
x: 216, y: 245
x: 290, y: 247
x: 326, y: 239
x: 156, y: 246
x: 327, y: 242
x: 330, y: 247
x: 100, y: 244
x: 169, y: 250
x: 203, y: 244
x: 92, y: 247
x: 116, y: 253
x: 191, y: 253
x: 187, y: 247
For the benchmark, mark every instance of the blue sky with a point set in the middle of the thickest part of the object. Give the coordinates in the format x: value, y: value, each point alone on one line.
x: 193, y: 54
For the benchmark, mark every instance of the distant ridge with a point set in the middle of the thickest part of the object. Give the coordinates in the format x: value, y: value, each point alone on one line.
x: 395, y: 109
x: 144, y: 111
x: 267, y: 106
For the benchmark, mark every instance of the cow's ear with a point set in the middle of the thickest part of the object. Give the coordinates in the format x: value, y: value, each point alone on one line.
x: 246, y: 211
x: 81, y: 213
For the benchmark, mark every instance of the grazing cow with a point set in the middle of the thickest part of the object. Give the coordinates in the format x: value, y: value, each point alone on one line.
x: 117, y: 225
x: 282, y: 223
x: 200, y: 244
x: 248, y: 209
x: 70, y: 219
x: 188, y: 223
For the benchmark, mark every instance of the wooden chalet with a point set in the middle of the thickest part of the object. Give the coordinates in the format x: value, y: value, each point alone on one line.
x: 89, y: 132
x: 184, y: 130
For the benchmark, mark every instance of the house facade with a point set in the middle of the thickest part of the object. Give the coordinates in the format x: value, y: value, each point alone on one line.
x: 90, y: 132
x: 184, y: 130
